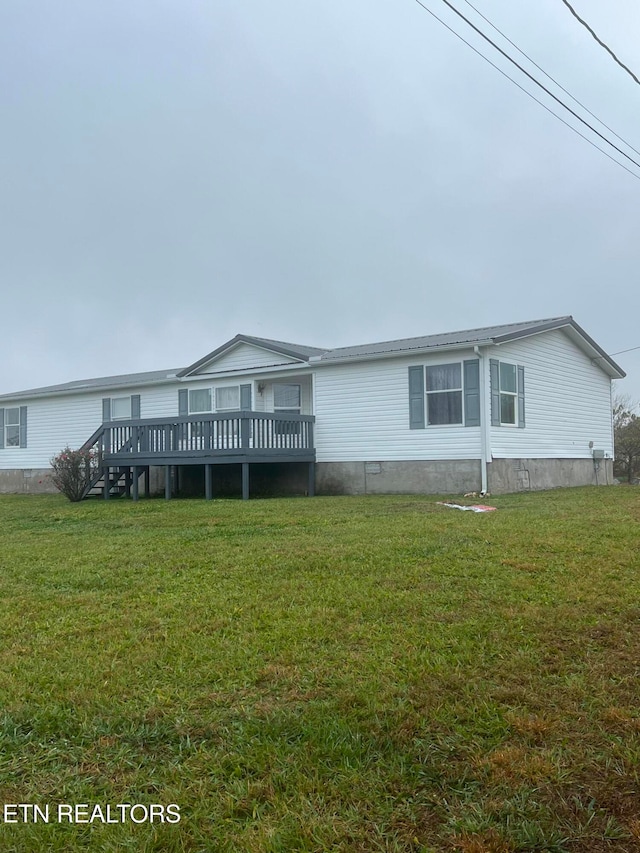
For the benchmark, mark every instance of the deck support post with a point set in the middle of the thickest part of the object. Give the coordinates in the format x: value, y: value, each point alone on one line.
x: 245, y: 481
x: 208, y: 482
x: 311, y: 488
x: 147, y: 487
x: 167, y: 482
x: 134, y: 484
x: 107, y: 483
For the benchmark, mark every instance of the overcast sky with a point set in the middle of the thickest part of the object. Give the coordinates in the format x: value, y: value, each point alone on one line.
x: 175, y: 172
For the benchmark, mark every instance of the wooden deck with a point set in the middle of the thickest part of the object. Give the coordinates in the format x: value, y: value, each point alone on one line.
x: 128, y: 448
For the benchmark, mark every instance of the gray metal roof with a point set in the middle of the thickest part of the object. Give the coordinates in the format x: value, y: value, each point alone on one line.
x: 298, y: 351
x: 466, y: 337
x: 125, y: 380
x: 483, y: 335
x: 463, y: 337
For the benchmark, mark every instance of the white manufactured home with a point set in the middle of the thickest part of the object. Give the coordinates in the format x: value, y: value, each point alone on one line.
x: 503, y: 408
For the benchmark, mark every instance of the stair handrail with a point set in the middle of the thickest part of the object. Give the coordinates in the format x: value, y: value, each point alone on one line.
x: 86, y: 447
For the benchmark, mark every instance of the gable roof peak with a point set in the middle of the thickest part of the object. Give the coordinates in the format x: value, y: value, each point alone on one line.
x: 299, y: 352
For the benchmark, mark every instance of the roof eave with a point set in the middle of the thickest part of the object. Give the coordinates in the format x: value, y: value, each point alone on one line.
x: 605, y: 362
x: 63, y: 392
x: 417, y: 351
x: 238, y: 339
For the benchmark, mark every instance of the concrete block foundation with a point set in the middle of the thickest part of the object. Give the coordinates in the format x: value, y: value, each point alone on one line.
x: 455, y: 476
x: 26, y: 481
x: 523, y: 475
x: 379, y: 478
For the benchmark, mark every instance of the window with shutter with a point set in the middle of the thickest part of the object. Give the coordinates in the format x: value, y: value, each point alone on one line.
x: 507, y: 394
x: 449, y: 394
x: 13, y: 424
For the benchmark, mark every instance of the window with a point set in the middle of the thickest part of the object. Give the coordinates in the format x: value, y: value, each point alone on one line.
x: 228, y: 398
x: 286, y: 401
x: 199, y: 400
x: 507, y: 393
x: 12, y: 427
x: 444, y: 394
x: 286, y: 398
x: 120, y: 408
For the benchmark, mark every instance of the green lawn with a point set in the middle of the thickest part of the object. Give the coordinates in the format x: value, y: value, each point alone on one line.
x: 326, y: 674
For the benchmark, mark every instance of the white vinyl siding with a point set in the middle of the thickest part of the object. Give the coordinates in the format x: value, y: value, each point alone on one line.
x: 57, y: 421
x: 362, y: 408
x: 362, y: 414
x: 567, y: 401
x: 245, y: 357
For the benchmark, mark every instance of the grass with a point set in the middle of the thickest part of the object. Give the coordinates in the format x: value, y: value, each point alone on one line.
x: 333, y: 674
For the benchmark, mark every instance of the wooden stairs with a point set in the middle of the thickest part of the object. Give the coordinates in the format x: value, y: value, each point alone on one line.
x: 119, y: 480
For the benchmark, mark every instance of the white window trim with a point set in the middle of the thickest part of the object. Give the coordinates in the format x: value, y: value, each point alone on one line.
x: 221, y: 388
x: 8, y: 446
x: 513, y: 394
x: 460, y: 390
x: 126, y: 417
x: 291, y: 410
x: 201, y: 411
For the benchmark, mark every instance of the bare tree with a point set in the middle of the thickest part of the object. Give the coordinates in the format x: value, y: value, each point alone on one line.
x: 626, y: 436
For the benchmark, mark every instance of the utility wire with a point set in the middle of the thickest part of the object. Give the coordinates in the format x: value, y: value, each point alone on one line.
x: 599, y: 40
x: 553, y: 80
x: 537, y: 82
x: 526, y: 92
x: 620, y: 351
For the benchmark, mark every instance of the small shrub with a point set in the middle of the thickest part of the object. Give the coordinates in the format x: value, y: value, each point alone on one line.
x: 72, y: 471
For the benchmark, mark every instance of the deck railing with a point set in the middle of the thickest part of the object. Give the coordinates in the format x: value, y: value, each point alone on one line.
x: 247, y: 434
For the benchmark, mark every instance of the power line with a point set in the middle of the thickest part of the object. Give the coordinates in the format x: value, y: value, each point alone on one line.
x: 620, y: 351
x: 537, y: 82
x: 599, y: 40
x: 553, y: 80
x: 533, y: 97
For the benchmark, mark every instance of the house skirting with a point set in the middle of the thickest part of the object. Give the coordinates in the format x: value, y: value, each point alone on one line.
x: 518, y: 475
x: 265, y: 479
x: 26, y: 481
x: 457, y: 476
x: 418, y: 477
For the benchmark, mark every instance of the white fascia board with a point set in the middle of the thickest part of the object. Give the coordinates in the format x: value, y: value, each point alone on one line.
x: 83, y: 389
x: 574, y: 335
x: 302, y: 367
x: 317, y: 361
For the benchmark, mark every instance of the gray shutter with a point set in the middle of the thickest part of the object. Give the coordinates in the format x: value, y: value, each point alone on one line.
x: 183, y: 402
x: 135, y: 405
x: 521, y: 396
x: 472, y: 392
x: 106, y: 409
x: 23, y: 426
x: 494, y: 369
x: 416, y: 398
x: 1, y: 429
x: 245, y: 397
